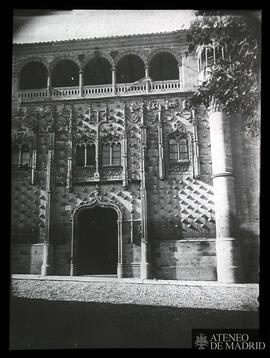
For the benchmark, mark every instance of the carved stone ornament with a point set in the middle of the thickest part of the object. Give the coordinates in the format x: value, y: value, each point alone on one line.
x: 152, y: 117
x: 97, y: 198
x: 83, y: 173
x: 46, y: 111
x: 22, y: 137
x: 111, y: 130
x: 136, y: 117
x: 135, y: 106
x: 171, y: 103
x: 61, y: 121
x: 111, y: 173
x: 153, y: 105
x: 46, y: 114
x: 179, y: 127
x: 30, y: 121
x: 179, y: 167
x: 186, y: 114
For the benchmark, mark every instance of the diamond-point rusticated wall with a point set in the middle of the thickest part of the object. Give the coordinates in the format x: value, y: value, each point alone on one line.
x: 166, y: 214
x: 180, y: 206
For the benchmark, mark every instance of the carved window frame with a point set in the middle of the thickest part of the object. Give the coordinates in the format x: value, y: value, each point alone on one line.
x: 111, y: 142
x: 20, y: 155
x: 85, y: 144
x: 178, y: 137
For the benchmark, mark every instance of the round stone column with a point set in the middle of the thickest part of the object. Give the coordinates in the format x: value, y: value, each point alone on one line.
x: 113, y: 81
x: 49, y: 84
x: 146, y: 74
x: 81, y: 82
x: 227, y: 246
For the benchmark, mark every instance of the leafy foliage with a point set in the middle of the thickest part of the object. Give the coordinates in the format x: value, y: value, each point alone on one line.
x: 233, y: 82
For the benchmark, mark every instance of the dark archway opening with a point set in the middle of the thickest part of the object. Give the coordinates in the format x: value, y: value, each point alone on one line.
x: 97, y: 72
x: 97, y: 242
x: 163, y: 67
x: 33, y: 76
x: 130, y: 69
x: 65, y: 74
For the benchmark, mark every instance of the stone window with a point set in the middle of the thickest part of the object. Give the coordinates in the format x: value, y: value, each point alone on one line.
x: 85, y: 154
x: 111, y: 153
x: 21, y: 156
x: 178, y: 149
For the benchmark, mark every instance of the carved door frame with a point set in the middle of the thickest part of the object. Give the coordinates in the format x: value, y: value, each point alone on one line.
x: 75, y: 236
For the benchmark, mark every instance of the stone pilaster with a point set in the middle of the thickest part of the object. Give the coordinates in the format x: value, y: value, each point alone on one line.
x: 15, y: 84
x: 160, y: 146
x: 120, y: 271
x: 47, y: 249
x: 145, y: 266
x: 45, y: 268
x: 227, y: 246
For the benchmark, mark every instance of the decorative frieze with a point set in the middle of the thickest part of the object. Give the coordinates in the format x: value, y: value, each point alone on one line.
x: 83, y: 174
x: 111, y: 173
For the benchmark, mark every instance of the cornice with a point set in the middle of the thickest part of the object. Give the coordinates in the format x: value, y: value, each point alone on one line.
x: 153, y: 39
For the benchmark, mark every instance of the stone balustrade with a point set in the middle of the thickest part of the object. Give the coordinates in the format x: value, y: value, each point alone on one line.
x: 99, y: 91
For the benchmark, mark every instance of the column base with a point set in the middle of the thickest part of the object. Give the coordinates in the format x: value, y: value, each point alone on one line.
x: 145, y: 268
x: 120, y: 271
x: 71, y: 270
x: 46, y: 266
x: 45, y: 270
x: 229, y: 269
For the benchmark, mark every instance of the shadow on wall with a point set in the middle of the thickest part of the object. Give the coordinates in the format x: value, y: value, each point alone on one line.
x: 20, y: 258
x: 249, y: 246
x: 26, y: 258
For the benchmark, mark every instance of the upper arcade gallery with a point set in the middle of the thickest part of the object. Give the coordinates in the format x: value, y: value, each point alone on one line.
x: 97, y: 70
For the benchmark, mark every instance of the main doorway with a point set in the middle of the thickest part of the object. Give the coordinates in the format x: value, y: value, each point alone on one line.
x: 97, y: 250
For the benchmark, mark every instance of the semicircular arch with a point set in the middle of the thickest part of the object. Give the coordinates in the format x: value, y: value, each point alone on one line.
x: 58, y: 59
x: 88, y: 58
x: 28, y: 60
x: 123, y: 54
x: 177, y: 55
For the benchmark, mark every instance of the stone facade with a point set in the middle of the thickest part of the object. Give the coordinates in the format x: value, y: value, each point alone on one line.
x: 166, y: 224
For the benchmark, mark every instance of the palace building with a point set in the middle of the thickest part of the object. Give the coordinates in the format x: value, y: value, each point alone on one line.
x: 113, y: 171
